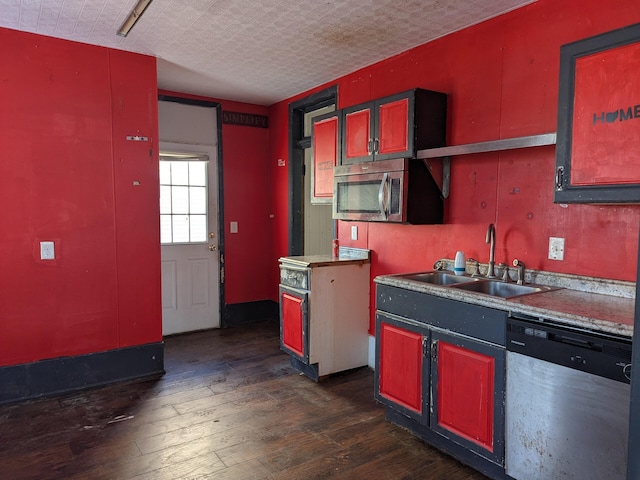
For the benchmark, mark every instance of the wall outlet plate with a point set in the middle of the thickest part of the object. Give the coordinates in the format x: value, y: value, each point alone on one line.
x: 47, y: 251
x: 354, y: 232
x: 556, y: 248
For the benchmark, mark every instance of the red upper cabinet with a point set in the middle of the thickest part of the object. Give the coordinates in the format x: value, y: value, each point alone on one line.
x: 326, y: 155
x: 394, y: 127
x: 597, y: 155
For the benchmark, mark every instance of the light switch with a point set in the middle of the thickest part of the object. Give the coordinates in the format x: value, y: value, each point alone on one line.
x: 47, y: 251
x: 233, y: 227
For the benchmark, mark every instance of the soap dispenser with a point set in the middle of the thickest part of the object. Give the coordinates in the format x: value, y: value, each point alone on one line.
x: 459, y: 265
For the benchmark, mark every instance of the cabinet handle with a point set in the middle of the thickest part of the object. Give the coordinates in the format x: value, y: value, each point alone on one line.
x: 376, y: 145
x: 559, y: 178
x: 369, y: 145
x: 434, y: 350
x: 383, y: 202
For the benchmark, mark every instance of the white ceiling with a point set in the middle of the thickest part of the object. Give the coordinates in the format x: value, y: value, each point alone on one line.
x: 257, y: 51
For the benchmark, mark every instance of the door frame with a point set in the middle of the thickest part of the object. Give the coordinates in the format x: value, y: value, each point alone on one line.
x: 221, y: 240
x: 297, y: 143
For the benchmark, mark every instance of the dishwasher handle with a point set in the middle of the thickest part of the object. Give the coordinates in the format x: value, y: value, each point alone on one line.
x: 576, y: 342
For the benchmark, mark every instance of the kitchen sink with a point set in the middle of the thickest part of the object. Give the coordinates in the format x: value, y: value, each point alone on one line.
x: 439, y: 278
x: 497, y: 288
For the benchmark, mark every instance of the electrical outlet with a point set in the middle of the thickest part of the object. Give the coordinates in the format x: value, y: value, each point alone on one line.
x: 354, y: 232
x: 556, y: 248
x: 233, y: 227
x: 47, y: 251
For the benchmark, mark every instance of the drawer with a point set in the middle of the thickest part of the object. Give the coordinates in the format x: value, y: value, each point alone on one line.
x: 294, y: 277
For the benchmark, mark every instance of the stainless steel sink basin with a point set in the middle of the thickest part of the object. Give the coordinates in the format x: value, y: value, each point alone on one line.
x: 439, y: 278
x: 500, y: 289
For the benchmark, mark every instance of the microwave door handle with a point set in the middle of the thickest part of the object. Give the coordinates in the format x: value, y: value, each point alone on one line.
x: 382, y: 195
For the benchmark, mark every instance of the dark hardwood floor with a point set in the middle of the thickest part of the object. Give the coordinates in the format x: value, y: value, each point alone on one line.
x: 229, y: 407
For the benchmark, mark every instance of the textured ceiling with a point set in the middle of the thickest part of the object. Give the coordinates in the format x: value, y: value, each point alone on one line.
x: 257, y: 51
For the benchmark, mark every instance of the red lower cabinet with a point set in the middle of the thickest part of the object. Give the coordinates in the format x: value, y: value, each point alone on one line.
x: 449, y: 383
x: 465, y: 393
x: 293, y: 322
x: 467, y: 401
x: 401, y: 366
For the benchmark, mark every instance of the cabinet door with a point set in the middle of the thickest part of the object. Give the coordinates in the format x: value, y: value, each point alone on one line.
x: 357, y: 134
x: 402, y: 368
x: 597, y: 155
x: 467, y: 384
x: 393, y: 127
x: 294, y: 322
x: 326, y: 155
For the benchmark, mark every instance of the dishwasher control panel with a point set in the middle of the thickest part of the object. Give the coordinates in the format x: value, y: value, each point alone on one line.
x: 585, y: 351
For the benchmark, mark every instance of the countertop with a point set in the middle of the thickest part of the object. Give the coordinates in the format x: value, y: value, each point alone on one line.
x: 605, y: 313
x: 346, y: 256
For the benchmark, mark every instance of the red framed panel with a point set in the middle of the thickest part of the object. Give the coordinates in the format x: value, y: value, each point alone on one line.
x: 606, y: 117
x: 357, y: 133
x: 325, y: 155
x: 400, y: 369
x: 466, y: 393
x: 393, y: 127
x: 292, y: 323
x: 598, y: 146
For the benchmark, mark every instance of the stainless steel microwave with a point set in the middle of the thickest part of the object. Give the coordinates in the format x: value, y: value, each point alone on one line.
x: 400, y: 190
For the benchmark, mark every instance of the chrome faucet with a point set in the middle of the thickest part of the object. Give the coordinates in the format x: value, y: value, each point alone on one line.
x: 491, y: 239
x: 521, y: 267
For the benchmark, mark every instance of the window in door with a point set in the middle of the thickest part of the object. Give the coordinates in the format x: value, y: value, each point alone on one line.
x: 183, y: 201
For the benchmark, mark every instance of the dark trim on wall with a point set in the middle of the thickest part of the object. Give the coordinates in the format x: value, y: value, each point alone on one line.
x: 68, y: 374
x: 633, y: 459
x: 221, y: 244
x: 250, y: 312
x: 297, y: 110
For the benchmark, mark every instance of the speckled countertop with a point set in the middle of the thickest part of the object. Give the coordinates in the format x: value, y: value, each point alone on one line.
x: 577, y: 301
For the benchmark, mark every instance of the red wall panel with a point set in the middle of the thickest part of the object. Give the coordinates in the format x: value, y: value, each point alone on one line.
x: 134, y: 96
x: 57, y: 184
x: 502, y: 80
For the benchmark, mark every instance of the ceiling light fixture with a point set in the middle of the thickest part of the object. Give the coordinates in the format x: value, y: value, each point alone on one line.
x: 133, y: 17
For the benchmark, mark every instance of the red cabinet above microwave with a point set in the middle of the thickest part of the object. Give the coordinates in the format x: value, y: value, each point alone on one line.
x: 396, y: 126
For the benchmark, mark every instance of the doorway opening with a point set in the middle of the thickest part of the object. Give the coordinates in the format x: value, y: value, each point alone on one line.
x: 311, y: 227
x: 192, y: 233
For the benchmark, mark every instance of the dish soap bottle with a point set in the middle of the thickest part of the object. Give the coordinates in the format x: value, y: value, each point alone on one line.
x: 459, y: 264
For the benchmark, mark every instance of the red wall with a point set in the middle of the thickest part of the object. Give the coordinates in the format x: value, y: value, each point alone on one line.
x: 502, y: 81
x: 247, y: 200
x: 67, y: 174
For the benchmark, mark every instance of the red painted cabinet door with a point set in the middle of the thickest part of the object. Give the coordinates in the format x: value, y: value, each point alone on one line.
x: 326, y: 155
x: 393, y: 127
x: 292, y: 318
x: 358, y: 123
x: 401, y: 367
x: 467, y: 393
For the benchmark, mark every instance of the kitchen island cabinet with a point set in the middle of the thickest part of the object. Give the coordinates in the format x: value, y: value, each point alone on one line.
x: 440, y: 372
x: 324, y: 312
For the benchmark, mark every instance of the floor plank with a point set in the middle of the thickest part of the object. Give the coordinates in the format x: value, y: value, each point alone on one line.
x: 229, y: 407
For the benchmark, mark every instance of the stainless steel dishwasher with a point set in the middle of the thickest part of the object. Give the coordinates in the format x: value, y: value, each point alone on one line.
x: 567, y: 403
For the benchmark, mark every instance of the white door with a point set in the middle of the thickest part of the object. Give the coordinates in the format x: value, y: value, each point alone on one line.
x: 189, y: 231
